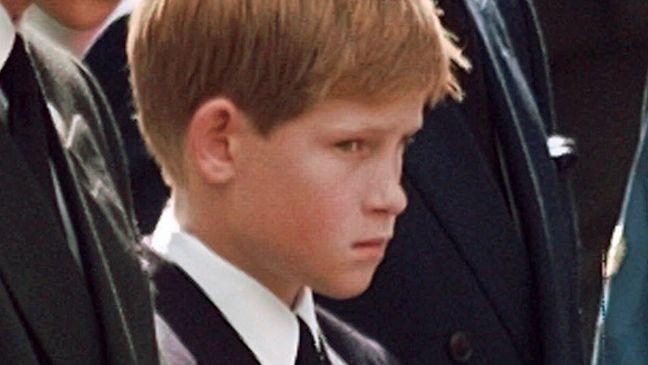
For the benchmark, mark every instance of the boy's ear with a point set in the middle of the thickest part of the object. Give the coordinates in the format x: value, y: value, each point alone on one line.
x: 209, y: 139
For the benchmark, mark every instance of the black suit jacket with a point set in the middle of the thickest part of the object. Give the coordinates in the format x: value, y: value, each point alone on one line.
x: 479, y: 273
x: 107, y: 61
x: 49, y: 312
x: 200, y: 326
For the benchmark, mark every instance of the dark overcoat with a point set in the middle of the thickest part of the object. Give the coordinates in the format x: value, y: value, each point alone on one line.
x: 51, y: 311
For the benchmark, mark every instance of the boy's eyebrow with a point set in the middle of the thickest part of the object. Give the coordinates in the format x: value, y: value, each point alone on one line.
x: 371, y: 129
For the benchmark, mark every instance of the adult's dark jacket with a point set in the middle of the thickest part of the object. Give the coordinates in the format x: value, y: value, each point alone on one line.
x: 51, y: 311
x: 108, y: 62
x: 482, y: 267
x: 187, y: 313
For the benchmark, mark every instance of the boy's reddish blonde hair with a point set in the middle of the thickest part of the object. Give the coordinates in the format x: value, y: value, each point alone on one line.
x: 274, y: 59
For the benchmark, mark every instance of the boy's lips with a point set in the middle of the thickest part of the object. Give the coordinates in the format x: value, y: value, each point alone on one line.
x: 372, y: 247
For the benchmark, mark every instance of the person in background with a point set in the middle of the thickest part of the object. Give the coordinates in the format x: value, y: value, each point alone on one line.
x: 103, y: 50
x: 77, y: 40
x: 622, y: 329
x: 483, y: 265
x: 71, y: 288
x: 280, y: 127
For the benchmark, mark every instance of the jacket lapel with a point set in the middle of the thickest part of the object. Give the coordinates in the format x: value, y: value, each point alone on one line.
x: 462, y: 193
x: 38, y: 267
x: 349, y: 344
x: 96, y: 226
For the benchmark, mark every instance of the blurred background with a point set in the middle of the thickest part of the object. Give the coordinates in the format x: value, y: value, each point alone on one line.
x: 598, y: 51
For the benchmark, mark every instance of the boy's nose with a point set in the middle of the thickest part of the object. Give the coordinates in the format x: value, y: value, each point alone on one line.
x: 388, y: 195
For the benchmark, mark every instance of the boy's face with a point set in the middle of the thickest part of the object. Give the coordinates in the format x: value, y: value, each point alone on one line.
x: 316, y: 200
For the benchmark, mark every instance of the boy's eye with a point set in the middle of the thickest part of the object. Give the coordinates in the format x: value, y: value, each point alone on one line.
x: 350, y: 145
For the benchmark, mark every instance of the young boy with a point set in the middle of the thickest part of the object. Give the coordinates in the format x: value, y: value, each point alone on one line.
x: 280, y: 127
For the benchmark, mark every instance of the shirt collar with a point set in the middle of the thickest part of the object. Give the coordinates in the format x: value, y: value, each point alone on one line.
x: 7, y: 36
x: 266, y: 325
x: 124, y: 7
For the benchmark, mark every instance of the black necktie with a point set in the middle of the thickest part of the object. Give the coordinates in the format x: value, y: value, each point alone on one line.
x: 27, y: 115
x: 308, y: 353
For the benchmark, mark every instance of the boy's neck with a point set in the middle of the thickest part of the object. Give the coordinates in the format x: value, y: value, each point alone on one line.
x: 210, y: 232
x: 286, y: 291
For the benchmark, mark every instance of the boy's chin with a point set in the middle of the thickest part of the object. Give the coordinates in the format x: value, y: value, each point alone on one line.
x: 342, y: 289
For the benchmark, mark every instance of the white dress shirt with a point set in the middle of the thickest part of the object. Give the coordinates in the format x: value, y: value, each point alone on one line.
x: 265, y: 324
x: 7, y: 40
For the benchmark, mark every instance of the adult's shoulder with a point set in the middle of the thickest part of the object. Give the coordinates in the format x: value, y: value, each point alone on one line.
x: 80, y: 112
x: 70, y: 89
x: 350, y: 344
x: 75, y: 101
x: 64, y: 80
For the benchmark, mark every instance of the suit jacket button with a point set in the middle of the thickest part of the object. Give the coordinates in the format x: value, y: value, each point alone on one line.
x: 460, y: 347
x: 563, y: 151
